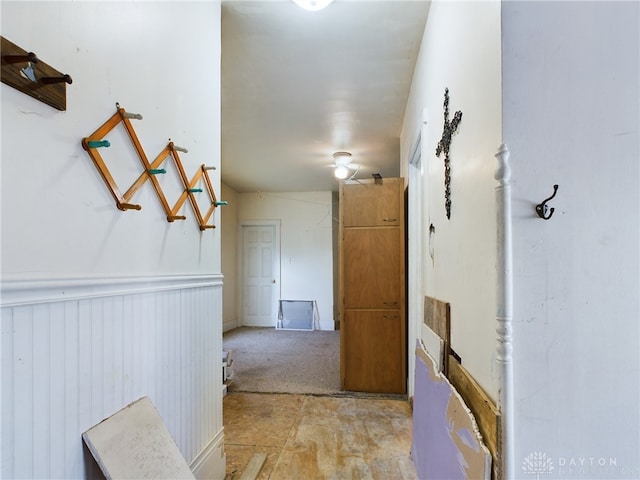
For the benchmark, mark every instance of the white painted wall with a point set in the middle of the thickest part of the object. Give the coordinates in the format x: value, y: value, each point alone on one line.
x: 460, y: 50
x: 229, y: 238
x: 145, y: 316
x: 306, y: 244
x: 139, y: 54
x: 570, y: 109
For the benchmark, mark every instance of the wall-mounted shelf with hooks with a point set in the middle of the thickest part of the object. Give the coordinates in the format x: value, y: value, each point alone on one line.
x: 25, y: 72
x: 94, y: 142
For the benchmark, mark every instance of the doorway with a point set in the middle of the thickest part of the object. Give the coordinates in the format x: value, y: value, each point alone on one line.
x: 415, y: 234
x: 266, y: 359
x: 260, y: 272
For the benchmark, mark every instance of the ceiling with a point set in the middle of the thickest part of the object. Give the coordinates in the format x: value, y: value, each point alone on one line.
x: 298, y: 86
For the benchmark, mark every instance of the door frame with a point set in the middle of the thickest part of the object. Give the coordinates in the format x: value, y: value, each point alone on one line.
x: 276, y: 265
x: 415, y: 245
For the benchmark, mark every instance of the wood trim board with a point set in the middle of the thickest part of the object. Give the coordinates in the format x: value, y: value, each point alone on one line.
x: 254, y: 467
x: 437, y: 316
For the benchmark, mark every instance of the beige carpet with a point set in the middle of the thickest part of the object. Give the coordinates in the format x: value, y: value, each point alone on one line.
x: 267, y: 360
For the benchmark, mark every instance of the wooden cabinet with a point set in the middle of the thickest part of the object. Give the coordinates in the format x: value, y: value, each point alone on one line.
x: 374, y: 360
x: 372, y: 267
x: 372, y: 286
x: 372, y: 205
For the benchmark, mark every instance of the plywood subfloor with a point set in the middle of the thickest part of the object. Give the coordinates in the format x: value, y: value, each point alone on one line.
x: 314, y: 437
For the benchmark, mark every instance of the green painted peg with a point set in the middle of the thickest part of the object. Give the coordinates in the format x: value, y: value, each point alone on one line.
x: 195, y: 190
x: 98, y: 143
x: 156, y: 171
x: 221, y: 203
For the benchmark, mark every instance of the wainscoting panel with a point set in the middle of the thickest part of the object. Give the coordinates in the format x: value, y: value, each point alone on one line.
x: 78, y: 352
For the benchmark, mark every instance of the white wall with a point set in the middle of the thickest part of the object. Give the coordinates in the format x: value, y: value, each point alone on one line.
x: 114, y: 54
x: 306, y: 244
x: 570, y: 109
x: 101, y: 306
x: 229, y: 236
x: 141, y: 55
x: 460, y: 51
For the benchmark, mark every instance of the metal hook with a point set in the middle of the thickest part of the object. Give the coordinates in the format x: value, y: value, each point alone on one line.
x: 541, y: 208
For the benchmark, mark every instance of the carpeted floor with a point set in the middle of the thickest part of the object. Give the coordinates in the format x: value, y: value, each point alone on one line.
x: 267, y: 360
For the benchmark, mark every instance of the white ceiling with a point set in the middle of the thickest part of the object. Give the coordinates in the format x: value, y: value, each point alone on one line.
x: 298, y: 86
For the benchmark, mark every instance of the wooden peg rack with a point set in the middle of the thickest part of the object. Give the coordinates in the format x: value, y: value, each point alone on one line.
x: 94, y: 142
x: 25, y: 72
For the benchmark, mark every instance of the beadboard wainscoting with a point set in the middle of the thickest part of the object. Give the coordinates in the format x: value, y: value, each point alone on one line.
x: 75, y: 351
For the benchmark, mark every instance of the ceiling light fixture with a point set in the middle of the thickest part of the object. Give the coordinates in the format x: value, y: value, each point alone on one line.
x: 341, y: 172
x: 312, y: 5
x: 342, y: 161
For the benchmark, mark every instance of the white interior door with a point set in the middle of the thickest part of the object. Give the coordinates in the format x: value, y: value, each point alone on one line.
x: 260, y: 274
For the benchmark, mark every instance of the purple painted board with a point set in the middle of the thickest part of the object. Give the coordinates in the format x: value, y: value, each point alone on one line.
x: 446, y: 443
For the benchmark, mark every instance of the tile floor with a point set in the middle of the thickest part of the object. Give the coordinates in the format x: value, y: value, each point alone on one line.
x: 316, y: 437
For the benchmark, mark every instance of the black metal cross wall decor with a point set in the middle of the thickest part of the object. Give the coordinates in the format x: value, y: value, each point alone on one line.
x: 448, y: 130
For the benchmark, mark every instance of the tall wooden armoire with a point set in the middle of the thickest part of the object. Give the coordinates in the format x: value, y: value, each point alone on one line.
x: 372, y: 286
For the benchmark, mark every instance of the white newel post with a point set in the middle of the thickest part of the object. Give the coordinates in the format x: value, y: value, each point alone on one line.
x: 504, y: 309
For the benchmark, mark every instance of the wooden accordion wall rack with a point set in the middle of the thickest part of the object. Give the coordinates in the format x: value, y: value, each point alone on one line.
x: 94, y: 142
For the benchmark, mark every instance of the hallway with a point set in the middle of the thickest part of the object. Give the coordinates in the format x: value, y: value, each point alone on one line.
x: 266, y: 360
x: 313, y: 437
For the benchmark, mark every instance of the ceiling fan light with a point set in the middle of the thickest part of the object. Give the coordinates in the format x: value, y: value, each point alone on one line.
x: 341, y: 172
x: 342, y: 158
x: 312, y: 5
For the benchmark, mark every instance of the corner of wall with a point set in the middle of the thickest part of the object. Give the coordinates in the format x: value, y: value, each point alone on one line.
x: 211, y: 462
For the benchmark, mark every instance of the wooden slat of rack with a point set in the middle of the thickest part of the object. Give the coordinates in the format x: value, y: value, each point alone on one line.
x: 145, y: 162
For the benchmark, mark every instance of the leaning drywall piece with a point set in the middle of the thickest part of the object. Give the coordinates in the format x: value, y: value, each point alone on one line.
x: 484, y: 410
x: 434, y: 345
x: 134, y: 443
x: 446, y: 442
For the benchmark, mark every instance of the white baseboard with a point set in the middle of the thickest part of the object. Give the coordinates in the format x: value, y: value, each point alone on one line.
x: 210, y: 463
x: 230, y: 325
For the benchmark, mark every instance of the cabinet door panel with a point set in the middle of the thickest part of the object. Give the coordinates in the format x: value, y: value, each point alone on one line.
x: 373, y: 354
x: 370, y: 204
x: 372, y: 268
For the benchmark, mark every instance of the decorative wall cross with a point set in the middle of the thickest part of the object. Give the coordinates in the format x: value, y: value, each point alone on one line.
x: 448, y: 130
